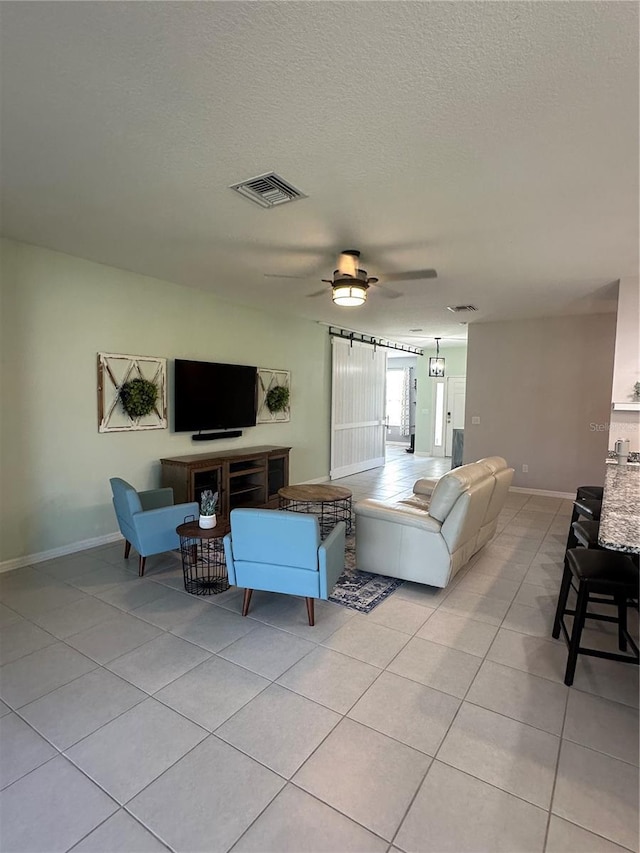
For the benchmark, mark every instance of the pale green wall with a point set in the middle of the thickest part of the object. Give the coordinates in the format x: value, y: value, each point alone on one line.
x: 455, y: 365
x: 57, y: 313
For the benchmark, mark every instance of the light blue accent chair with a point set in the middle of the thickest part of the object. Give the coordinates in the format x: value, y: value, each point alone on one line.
x: 282, y: 552
x: 148, y: 520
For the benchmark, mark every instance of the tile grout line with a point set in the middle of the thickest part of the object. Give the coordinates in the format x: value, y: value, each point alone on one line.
x: 343, y: 715
x: 102, y: 823
x: 555, y: 774
x: 435, y: 757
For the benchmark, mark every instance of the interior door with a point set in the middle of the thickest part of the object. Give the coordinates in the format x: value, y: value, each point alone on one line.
x: 456, y: 391
x: 358, y: 402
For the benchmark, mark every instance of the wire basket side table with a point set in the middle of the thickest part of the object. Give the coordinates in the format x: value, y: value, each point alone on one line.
x: 203, y: 562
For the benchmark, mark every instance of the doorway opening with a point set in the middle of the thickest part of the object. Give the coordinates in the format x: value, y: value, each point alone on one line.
x: 448, y: 420
x: 400, y: 412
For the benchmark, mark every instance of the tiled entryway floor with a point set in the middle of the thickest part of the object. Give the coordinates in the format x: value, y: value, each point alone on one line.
x: 136, y: 717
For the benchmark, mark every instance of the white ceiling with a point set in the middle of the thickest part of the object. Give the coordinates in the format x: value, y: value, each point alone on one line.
x: 496, y: 142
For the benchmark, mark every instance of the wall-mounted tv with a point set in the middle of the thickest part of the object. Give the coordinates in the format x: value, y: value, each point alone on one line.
x: 210, y: 396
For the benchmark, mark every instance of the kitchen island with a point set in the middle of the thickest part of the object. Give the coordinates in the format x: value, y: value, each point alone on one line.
x: 620, y: 516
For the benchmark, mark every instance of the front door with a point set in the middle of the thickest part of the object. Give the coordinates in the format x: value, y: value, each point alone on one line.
x: 456, y: 390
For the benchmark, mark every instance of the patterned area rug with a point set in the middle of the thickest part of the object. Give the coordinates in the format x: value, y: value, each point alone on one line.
x: 361, y: 591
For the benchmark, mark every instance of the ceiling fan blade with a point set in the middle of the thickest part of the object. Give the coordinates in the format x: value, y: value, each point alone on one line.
x: 409, y: 275
x: 322, y: 292
x: 275, y: 275
x: 387, y: 292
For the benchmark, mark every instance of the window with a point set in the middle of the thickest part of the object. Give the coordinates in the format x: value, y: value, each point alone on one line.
x: 395, y: 382
x: 439, y: 415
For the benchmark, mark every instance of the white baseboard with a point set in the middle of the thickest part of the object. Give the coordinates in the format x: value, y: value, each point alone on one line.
x: 324, y: 479
x: 73, y: 548
x: 86, y: 544
x: 544, y: 493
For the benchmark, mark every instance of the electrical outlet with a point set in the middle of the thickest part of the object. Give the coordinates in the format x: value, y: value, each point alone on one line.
x: 475, y: 420
x: 525, y: 469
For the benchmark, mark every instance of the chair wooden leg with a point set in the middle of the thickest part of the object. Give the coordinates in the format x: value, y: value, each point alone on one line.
x: 310, y: 611
x: 246, y: 601
x: 622, y: 622
x: 127, y: 549
x: 141, y: 561
x: 576, y: 633
x: 562, y: 599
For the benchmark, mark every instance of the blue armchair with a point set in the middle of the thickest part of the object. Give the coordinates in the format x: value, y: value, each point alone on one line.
x: 148, y: 520
x: 282, y: 552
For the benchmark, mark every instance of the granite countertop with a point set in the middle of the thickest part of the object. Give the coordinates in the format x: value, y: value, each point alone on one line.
x: 620, y: 516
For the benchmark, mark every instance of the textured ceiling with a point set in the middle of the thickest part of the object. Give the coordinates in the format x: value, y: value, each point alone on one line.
x: 496, y: 142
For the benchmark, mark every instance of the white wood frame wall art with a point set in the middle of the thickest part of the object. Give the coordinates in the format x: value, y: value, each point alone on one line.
x: 113, y: 371
x: 267, y: 379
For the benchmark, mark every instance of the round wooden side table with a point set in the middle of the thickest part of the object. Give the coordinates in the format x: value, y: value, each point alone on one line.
x: 203, y: 563
x: 330, y: 503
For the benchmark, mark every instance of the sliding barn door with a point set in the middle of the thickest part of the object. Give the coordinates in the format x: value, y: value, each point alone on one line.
x: 358, y: 401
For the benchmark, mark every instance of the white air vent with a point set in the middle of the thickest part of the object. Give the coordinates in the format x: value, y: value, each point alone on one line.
x: 458, y: 308
x: 268, y: 190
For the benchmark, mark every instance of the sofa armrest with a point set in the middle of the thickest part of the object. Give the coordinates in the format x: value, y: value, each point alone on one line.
x: 398, y: 513
x: 331, y: 559
x: 156, y: 498
x: 425, y: 486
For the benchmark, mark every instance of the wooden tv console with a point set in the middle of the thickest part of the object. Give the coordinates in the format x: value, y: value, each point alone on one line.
x: 250, y: 476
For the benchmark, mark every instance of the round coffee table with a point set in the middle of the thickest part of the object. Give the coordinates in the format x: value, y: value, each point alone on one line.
x: 330, y: 503
x: 203, y: 563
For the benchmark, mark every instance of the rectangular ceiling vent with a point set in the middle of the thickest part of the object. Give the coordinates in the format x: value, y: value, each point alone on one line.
x: 458, y: 308
x: 268, y: 190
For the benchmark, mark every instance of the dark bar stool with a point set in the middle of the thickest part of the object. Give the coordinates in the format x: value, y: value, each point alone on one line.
x: 586, y: 533
x: 598, y: 573
x: 588, y: 508
x: 594, y: 492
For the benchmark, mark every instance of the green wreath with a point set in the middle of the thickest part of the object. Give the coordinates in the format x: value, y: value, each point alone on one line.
x: 277, y: 398
x: 138, y: 397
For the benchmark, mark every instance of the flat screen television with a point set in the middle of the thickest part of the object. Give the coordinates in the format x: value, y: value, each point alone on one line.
x: 212, y: 396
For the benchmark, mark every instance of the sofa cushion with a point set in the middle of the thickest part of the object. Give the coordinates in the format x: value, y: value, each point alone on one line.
x: 503, y: 480
x: 418, y: 501
x: 281, y: 538
x: 398, y: 512
x: 463, y: 522
x: 454, y: 484
x: 494, y: 463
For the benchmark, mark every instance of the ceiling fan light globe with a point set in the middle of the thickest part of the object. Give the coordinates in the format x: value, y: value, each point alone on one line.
x: 349, y: 295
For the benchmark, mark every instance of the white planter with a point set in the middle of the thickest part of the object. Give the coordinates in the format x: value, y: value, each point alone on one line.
x: 207, y: 521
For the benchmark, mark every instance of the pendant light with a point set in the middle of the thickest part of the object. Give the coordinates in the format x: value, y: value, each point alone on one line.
x: 436, y: 365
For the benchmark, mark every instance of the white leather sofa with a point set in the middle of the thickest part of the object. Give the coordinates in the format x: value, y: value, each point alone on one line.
x: 430, y: 536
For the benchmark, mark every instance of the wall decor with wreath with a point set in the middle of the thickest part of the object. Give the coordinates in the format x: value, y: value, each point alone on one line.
x: 274, y: 395
x: 132, y: 392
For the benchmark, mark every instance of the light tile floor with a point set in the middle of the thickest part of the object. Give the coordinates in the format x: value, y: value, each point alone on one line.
x: 139, y: 718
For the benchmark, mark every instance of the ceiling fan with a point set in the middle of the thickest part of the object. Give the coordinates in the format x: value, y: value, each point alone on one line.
x: 350, y: 283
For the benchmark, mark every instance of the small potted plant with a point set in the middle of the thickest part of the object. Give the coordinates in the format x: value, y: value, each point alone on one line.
x: 208, y: 503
